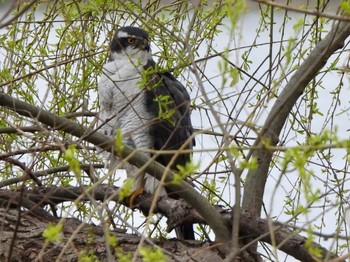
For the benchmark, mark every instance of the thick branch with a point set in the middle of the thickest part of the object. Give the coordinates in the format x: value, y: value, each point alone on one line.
x: 54, y: 170
x: 176, y: 211
x: 182, y: 189
x: 78, y: 239
x: 255, y: 182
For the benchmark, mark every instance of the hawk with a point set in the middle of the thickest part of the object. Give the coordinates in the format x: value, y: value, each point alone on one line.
x: 150, y: 109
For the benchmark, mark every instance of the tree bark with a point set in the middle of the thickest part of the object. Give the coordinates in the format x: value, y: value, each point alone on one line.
x: 22, y: 230
x: 78, y: 239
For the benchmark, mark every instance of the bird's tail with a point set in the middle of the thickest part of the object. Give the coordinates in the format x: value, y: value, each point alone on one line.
x: 185, y: 232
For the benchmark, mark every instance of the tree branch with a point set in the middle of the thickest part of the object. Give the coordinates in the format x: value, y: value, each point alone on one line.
x: 303, y: 10
x: 185, y: 191
x: 177, y: 212
x: 83, y: 243
x: 46, y: 172
x: 255, y: 181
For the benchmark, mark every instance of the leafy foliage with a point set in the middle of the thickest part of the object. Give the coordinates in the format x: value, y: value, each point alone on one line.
x: 150, y: 255
x: 51, y: 56
x: 53, y: 232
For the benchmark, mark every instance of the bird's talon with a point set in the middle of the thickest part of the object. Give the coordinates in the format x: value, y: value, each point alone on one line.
x: 134, y: 195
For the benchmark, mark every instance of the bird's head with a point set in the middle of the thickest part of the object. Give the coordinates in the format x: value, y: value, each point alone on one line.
x: 132, y: 42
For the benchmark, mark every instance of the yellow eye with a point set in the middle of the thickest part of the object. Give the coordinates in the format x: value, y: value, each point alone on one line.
x: 131, y: 40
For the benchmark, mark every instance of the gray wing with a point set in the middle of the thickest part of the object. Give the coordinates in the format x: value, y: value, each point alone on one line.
x: 172, y: 133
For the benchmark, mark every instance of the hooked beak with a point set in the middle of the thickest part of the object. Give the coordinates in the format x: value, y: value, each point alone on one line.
x: 144, y: 45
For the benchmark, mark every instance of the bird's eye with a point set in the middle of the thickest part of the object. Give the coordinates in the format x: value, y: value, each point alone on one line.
x: 131, y: 40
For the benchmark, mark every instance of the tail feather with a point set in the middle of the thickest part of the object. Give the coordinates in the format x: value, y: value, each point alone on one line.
x: 185, y: 232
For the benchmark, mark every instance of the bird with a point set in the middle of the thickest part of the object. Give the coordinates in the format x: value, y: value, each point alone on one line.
x: 150, y: 114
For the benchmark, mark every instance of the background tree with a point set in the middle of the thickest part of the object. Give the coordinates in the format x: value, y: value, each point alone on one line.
x: 271, y: 163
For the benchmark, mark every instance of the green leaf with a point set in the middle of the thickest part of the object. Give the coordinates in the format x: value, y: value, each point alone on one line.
x: 72, y: 160
x: 126, y: 189
x: 345, y: 5
x: 124, y: 257
x: 53, y: 233
x: 184, y: 171
x: 252, y: 164
x: 312, y: 249
x: 164, y: 108
x: 112, y: 240
x: 87, y: 257
x: 152, y: 254
x: 118, y: 144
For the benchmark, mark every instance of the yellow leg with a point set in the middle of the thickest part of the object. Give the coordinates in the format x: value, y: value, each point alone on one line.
x: 135, y: 194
